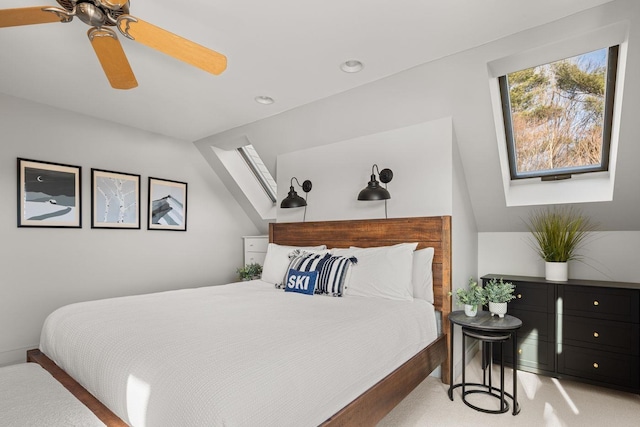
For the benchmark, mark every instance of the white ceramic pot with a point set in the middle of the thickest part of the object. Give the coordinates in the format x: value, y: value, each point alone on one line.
x: 556, y: 271
x: 470, y: 310
x: 498, y: 308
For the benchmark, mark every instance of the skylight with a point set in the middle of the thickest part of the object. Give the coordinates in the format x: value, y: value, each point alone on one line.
x: 538, y: 177
x: 558, y: 116
x: 259, y: 170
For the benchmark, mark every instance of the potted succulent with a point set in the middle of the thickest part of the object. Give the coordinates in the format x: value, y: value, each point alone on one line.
x: 249, y: 271
x: 498, y: 293
x: 471, y: 298
x: 558, y: 234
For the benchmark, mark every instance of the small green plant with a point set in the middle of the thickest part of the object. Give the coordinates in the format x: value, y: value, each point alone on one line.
x: 249, y: 271
x: 559, y: 233
x: 498, y: 291
x: 472, y: 296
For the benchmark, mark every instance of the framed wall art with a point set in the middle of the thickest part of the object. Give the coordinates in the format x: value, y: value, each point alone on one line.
x: 115, y: 199
x: 167, y: 205
x: 49, y: 194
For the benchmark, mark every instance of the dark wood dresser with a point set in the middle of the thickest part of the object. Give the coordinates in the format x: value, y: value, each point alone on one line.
x: 585, y: 330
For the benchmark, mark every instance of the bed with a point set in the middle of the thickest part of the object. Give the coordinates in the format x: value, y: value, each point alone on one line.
x: 156, y: 361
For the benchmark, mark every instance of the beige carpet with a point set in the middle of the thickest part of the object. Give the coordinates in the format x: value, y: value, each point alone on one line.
x: 544, y: 402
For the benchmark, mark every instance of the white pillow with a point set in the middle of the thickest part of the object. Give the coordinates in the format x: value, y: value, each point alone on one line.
x: 277, y: 260
x: 383, y: 271
x: 423, y: 274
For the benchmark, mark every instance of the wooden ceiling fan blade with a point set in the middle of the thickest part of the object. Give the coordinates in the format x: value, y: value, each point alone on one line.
x: 112, y: 58
x: 27, y: 16
x: 172, y: 45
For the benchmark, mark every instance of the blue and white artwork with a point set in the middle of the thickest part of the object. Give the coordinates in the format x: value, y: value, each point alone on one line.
x: 116, y: 201
x: 167, y: 207
x: 49, y: 195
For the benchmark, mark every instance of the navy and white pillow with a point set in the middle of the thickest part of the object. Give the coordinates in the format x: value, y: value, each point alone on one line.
x: 333, y: 271
x: 303, y: 261
x: 302, y: 282
x: 333, y: 275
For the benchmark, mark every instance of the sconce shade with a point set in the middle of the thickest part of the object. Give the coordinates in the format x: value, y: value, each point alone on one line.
x: 293, y: 200
x: 374, y: 191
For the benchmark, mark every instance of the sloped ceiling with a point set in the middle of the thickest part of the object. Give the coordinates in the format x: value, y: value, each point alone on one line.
x: 424, y: 60
x: 286, y: 49
x: 458, y: 86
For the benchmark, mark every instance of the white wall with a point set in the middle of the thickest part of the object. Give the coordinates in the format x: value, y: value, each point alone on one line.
x: 43, y: 269
x: 464, y: 257
x: 421, y: 160
x: 610, y: 255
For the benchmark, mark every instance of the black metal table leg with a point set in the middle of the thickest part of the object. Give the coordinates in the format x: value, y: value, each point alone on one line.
x: 451, y: 380
x: 516, y: 406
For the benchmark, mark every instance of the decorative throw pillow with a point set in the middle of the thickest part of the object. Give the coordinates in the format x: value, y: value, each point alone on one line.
x: 303, y: 261
x: 303, y: 282
x: 333, y: 275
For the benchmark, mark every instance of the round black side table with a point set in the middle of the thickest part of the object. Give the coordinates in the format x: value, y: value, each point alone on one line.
x: 489, y: 330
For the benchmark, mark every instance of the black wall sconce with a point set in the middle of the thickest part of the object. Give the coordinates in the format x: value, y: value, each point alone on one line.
x: 374, y: 191
x: 293, y: 200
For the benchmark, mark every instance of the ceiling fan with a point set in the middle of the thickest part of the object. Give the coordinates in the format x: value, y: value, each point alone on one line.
x: 101, y: 14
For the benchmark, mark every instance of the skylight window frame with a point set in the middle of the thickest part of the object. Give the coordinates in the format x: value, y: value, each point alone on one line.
x: 564, y: 173
x: 255, y: 170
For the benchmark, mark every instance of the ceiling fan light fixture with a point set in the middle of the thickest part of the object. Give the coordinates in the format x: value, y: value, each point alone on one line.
x: 264, y: 100
x: 99, y: 14
x: 352, y: 66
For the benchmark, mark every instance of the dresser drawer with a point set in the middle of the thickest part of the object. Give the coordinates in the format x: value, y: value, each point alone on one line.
x: 254, y: 257
x: 601, y: 303
x: 532, y: 296
x: 600, y: 334
x: 533, y: 355
x: 602, y: 366
x: 535, y: 324
x: 256, y: 244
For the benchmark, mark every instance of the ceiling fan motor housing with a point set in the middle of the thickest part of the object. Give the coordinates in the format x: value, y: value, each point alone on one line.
x: 96, y: 13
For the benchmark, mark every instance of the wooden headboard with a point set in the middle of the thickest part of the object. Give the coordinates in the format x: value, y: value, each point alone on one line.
x: 432, y: 232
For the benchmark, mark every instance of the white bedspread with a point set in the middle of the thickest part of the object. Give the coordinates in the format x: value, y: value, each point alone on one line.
x: 241, y: 354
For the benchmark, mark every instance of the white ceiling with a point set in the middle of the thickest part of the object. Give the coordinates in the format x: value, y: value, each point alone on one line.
x: 286, y: 49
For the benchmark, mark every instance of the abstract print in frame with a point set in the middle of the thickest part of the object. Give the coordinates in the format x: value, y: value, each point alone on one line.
x: 115, y: 200
x: 167, y: 205
x: 48, y: 194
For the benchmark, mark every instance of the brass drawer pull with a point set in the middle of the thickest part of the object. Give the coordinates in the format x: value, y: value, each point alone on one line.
x: 596, y: 302
x: 595, y: 365
x: 519, y: 296
x: 519, y: 351
x: 596, y: 335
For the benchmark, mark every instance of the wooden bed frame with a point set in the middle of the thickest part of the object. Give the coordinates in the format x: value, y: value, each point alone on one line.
x: 435, y: 232
x: 375, y: 403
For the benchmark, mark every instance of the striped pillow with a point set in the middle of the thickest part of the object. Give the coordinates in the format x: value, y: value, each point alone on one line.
x: 333, y: 275
x: 303, y: 261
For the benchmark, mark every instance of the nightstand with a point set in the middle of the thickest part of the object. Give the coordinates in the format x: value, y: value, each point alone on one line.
x: 255, y: 249
x: 489, y: 330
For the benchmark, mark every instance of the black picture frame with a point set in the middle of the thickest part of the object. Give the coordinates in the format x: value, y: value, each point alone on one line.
x: 115, y: 200
x: 167, y: 207
x: 49, y: 194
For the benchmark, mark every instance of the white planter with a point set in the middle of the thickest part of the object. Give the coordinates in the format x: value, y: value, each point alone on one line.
x: 470, y: 310
x: 498, y: 308
x: 556, y: 271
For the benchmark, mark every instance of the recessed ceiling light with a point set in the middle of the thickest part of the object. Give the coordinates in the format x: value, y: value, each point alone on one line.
x: 266, y: 100
x: 352, y: 66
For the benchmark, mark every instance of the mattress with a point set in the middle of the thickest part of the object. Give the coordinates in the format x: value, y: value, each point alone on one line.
x: 242, y: 354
